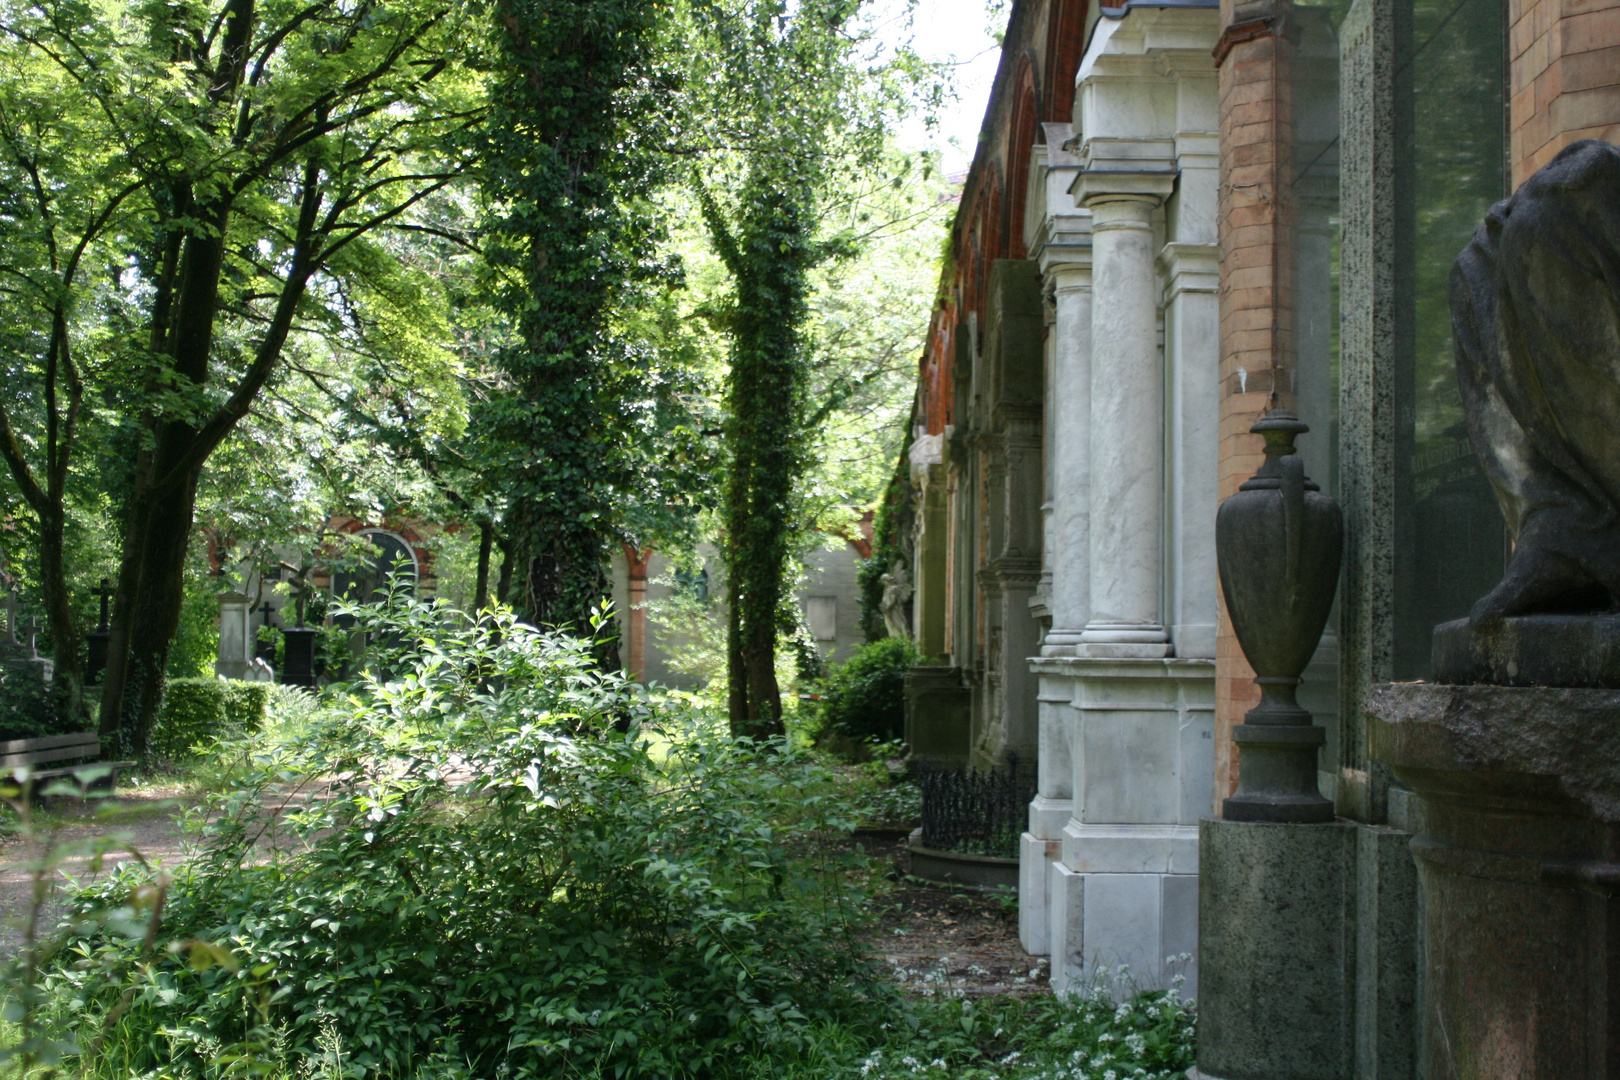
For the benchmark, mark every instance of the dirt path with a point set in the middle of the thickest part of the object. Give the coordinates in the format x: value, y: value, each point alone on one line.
x: 146, y: 820
x: 938, y: 939
x: 934, y: 939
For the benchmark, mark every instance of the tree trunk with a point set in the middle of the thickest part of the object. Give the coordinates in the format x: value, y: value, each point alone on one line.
x: 67, y: 680
x: 147, y: 606
x: 765, y: 432
x: 486, y: 542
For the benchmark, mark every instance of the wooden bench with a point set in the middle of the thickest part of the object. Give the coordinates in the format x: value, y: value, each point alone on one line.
x: 83, y: 748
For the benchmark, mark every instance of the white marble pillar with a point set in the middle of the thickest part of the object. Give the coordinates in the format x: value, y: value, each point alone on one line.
x: 1070, y: 451
x: 1192, y: 363
x: 1126, y: 520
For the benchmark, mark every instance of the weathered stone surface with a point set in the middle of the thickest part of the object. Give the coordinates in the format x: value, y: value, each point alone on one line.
x: 1520, y: 789
x: 1276, y: 932
x: 1544, y: 742
x: 1530, y: 650
x: 938, y: 716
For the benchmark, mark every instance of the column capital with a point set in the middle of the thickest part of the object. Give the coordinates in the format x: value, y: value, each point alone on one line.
x: 1190, y: 267
x: 1066, y: 265
x: 1098, y: 187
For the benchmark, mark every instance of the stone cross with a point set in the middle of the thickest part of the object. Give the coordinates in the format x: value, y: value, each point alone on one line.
x: 301, y: 590
x: 105, y: 592
x: 33, y: 633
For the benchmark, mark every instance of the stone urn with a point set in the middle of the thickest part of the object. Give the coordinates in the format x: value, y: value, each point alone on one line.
x: 1278, y: 542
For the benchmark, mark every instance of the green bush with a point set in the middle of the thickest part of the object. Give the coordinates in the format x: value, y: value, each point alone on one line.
x: 246, y: 704
x: 25, y: 706
x: 197, y: 711
x: 496, y: 882
x: 865, y: 697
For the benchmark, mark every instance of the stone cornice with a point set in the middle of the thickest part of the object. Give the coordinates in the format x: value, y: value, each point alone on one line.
x: 1108, y: 185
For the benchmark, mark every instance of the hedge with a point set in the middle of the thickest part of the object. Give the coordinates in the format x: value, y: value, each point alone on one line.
x: 866, y: 696
x: 197, y: 710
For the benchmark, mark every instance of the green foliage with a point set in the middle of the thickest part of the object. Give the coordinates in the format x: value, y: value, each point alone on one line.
x: 197, y: 711
x: 501, y: 878
x: 891, y: 531
x: 1090, y: 1036
x: 26, y: 711
x: 865, y: 697
x: 804, y: 114
x: 196, y: 641
x: 590, y: 422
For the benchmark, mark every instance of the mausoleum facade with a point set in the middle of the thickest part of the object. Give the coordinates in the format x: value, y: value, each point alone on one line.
x: 1184, y: 214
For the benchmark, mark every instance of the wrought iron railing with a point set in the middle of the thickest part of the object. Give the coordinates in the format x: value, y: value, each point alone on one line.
x: 977, y: 813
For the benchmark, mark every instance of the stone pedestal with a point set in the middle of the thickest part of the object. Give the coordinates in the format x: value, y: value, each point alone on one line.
x: 1306, y: 947
x: 1530, y: 650
x: 1122, y: 886
x: 1518, y: 854
x: 938, y: 716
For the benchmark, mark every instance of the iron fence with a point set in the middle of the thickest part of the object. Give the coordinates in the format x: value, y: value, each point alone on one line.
x: 977, y: 813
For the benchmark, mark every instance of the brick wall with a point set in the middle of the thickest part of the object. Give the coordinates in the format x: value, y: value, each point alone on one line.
x: 1565, y: 77
x: 1253, y: 303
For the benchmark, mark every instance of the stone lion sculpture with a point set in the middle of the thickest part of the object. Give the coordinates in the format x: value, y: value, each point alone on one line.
x: 1536, y: 318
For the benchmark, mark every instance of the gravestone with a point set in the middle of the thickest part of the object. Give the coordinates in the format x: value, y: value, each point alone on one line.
x: 25, y: 680
x: 96, y: 640
x: 235, y: 635
x: 298, y: 659
x: 265, y: 651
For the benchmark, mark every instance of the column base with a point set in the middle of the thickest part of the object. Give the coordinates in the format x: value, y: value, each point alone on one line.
x: 1047, y: 817
x: 1125, y: 640
x: 1061, y: 641
x: 1122, y: 932
x: 1035, y: 859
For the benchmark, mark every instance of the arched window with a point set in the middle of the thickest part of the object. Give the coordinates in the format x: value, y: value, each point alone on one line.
x: 394, y: 556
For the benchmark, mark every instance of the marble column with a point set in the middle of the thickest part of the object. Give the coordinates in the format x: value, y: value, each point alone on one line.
x: 1126, y: 521
x: 1191, y: 324
x: 1070, y: 451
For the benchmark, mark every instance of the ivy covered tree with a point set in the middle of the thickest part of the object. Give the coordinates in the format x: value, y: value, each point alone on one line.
x: 799, y: 102
x: 573, y: 152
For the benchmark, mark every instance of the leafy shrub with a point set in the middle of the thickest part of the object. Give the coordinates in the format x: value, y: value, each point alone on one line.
x: 865, y: 697
x: 289, y: 709
x: 25, y: 705
x: 494, y: 881
x: 197, y: 711
x: 1103, y: 1034
x: 246, y: 703
x: 192, y: 712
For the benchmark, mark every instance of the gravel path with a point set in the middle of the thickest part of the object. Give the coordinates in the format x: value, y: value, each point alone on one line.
x: 146, y: 821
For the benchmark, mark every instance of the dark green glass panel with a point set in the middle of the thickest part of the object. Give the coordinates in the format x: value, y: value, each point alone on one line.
x: 1451, y: 166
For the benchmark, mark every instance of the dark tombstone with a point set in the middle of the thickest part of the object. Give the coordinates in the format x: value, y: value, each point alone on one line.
x: 298, y: 661
x: 1515, y: 748
x: 96, y: 667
